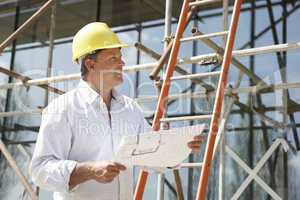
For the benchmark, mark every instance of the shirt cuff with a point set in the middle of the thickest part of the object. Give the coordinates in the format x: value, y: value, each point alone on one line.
x: 71, y: 164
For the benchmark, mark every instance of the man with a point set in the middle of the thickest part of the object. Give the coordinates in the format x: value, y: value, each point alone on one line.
x: 81, y: 130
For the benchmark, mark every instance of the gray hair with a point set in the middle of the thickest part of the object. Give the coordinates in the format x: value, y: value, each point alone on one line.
x: 83, y: 68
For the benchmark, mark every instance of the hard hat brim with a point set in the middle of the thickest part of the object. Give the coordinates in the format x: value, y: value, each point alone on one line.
x: 121, y: 45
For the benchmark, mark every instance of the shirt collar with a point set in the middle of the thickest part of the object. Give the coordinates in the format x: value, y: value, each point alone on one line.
x: 90, y: 95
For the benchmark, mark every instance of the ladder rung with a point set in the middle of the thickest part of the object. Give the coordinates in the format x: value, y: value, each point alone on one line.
x: 205, y: 36
x: 203, y: 2
x: 199, y: 75
x: 197, y: 117
x: 190, y: 165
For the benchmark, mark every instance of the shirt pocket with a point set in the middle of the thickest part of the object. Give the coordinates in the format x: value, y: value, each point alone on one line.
x: 92, y: 124
x: 91, y: 135
x: 128, y: 126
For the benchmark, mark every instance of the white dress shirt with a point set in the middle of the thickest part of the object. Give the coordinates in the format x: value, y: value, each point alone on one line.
x: 76, y: 128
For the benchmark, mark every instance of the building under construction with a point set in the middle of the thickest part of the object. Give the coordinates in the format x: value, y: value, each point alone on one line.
x: 230, y: 64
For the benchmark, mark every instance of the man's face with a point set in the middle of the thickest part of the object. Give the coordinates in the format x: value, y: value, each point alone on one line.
x: 107, y: 68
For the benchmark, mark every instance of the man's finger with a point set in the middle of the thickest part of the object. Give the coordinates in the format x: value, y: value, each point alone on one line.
x: 113, y: 172
x: 199, y: 138
x: 197, y: 148
x: 112, y: 168
x: 108, y: 179
x: 112, y: 175
x: 194, y: 143
x: 119, y: 166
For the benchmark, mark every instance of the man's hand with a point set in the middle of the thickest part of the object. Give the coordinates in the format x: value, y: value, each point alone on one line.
x: 105, y: 172
x: 196, y: 143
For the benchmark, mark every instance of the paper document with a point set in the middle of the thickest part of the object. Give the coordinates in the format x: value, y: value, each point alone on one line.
x: 157, y: 149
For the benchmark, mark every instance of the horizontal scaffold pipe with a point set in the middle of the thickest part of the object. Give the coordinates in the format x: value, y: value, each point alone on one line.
x: 245, y: 52
x: 198, y: 94
x: 133, y: 68
x: 194, y: 59
x: 203, y: 94
x: 20, y: 113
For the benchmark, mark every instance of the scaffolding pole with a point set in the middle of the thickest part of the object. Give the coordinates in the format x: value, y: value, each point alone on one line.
x: 221, y: 194
x: 51, y: 47
x: 191, y: 157
x: 24, y: 80
x: 19, y: 173
x: 167, y: 33
x: 214, y: 124
x: 22, y: 28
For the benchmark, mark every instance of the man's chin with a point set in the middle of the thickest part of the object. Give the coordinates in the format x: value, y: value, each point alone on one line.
x: 119, y: 81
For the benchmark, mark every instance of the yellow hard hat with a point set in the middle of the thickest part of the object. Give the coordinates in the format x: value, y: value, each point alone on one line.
x: 92, y: 37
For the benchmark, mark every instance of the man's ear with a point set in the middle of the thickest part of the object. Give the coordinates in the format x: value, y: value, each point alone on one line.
x: 89, y: 64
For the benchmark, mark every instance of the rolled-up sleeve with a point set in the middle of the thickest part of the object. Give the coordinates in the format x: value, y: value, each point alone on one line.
x: 50, y: 167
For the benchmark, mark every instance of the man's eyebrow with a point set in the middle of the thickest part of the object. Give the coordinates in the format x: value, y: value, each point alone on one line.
x: 117, y: 55
x: 111, y: 54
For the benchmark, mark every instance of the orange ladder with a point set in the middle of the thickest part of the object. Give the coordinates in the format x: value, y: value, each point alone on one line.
x: 220, y: 91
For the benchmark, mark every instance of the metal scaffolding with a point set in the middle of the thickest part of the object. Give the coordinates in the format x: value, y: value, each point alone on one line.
x: 253, y: 108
